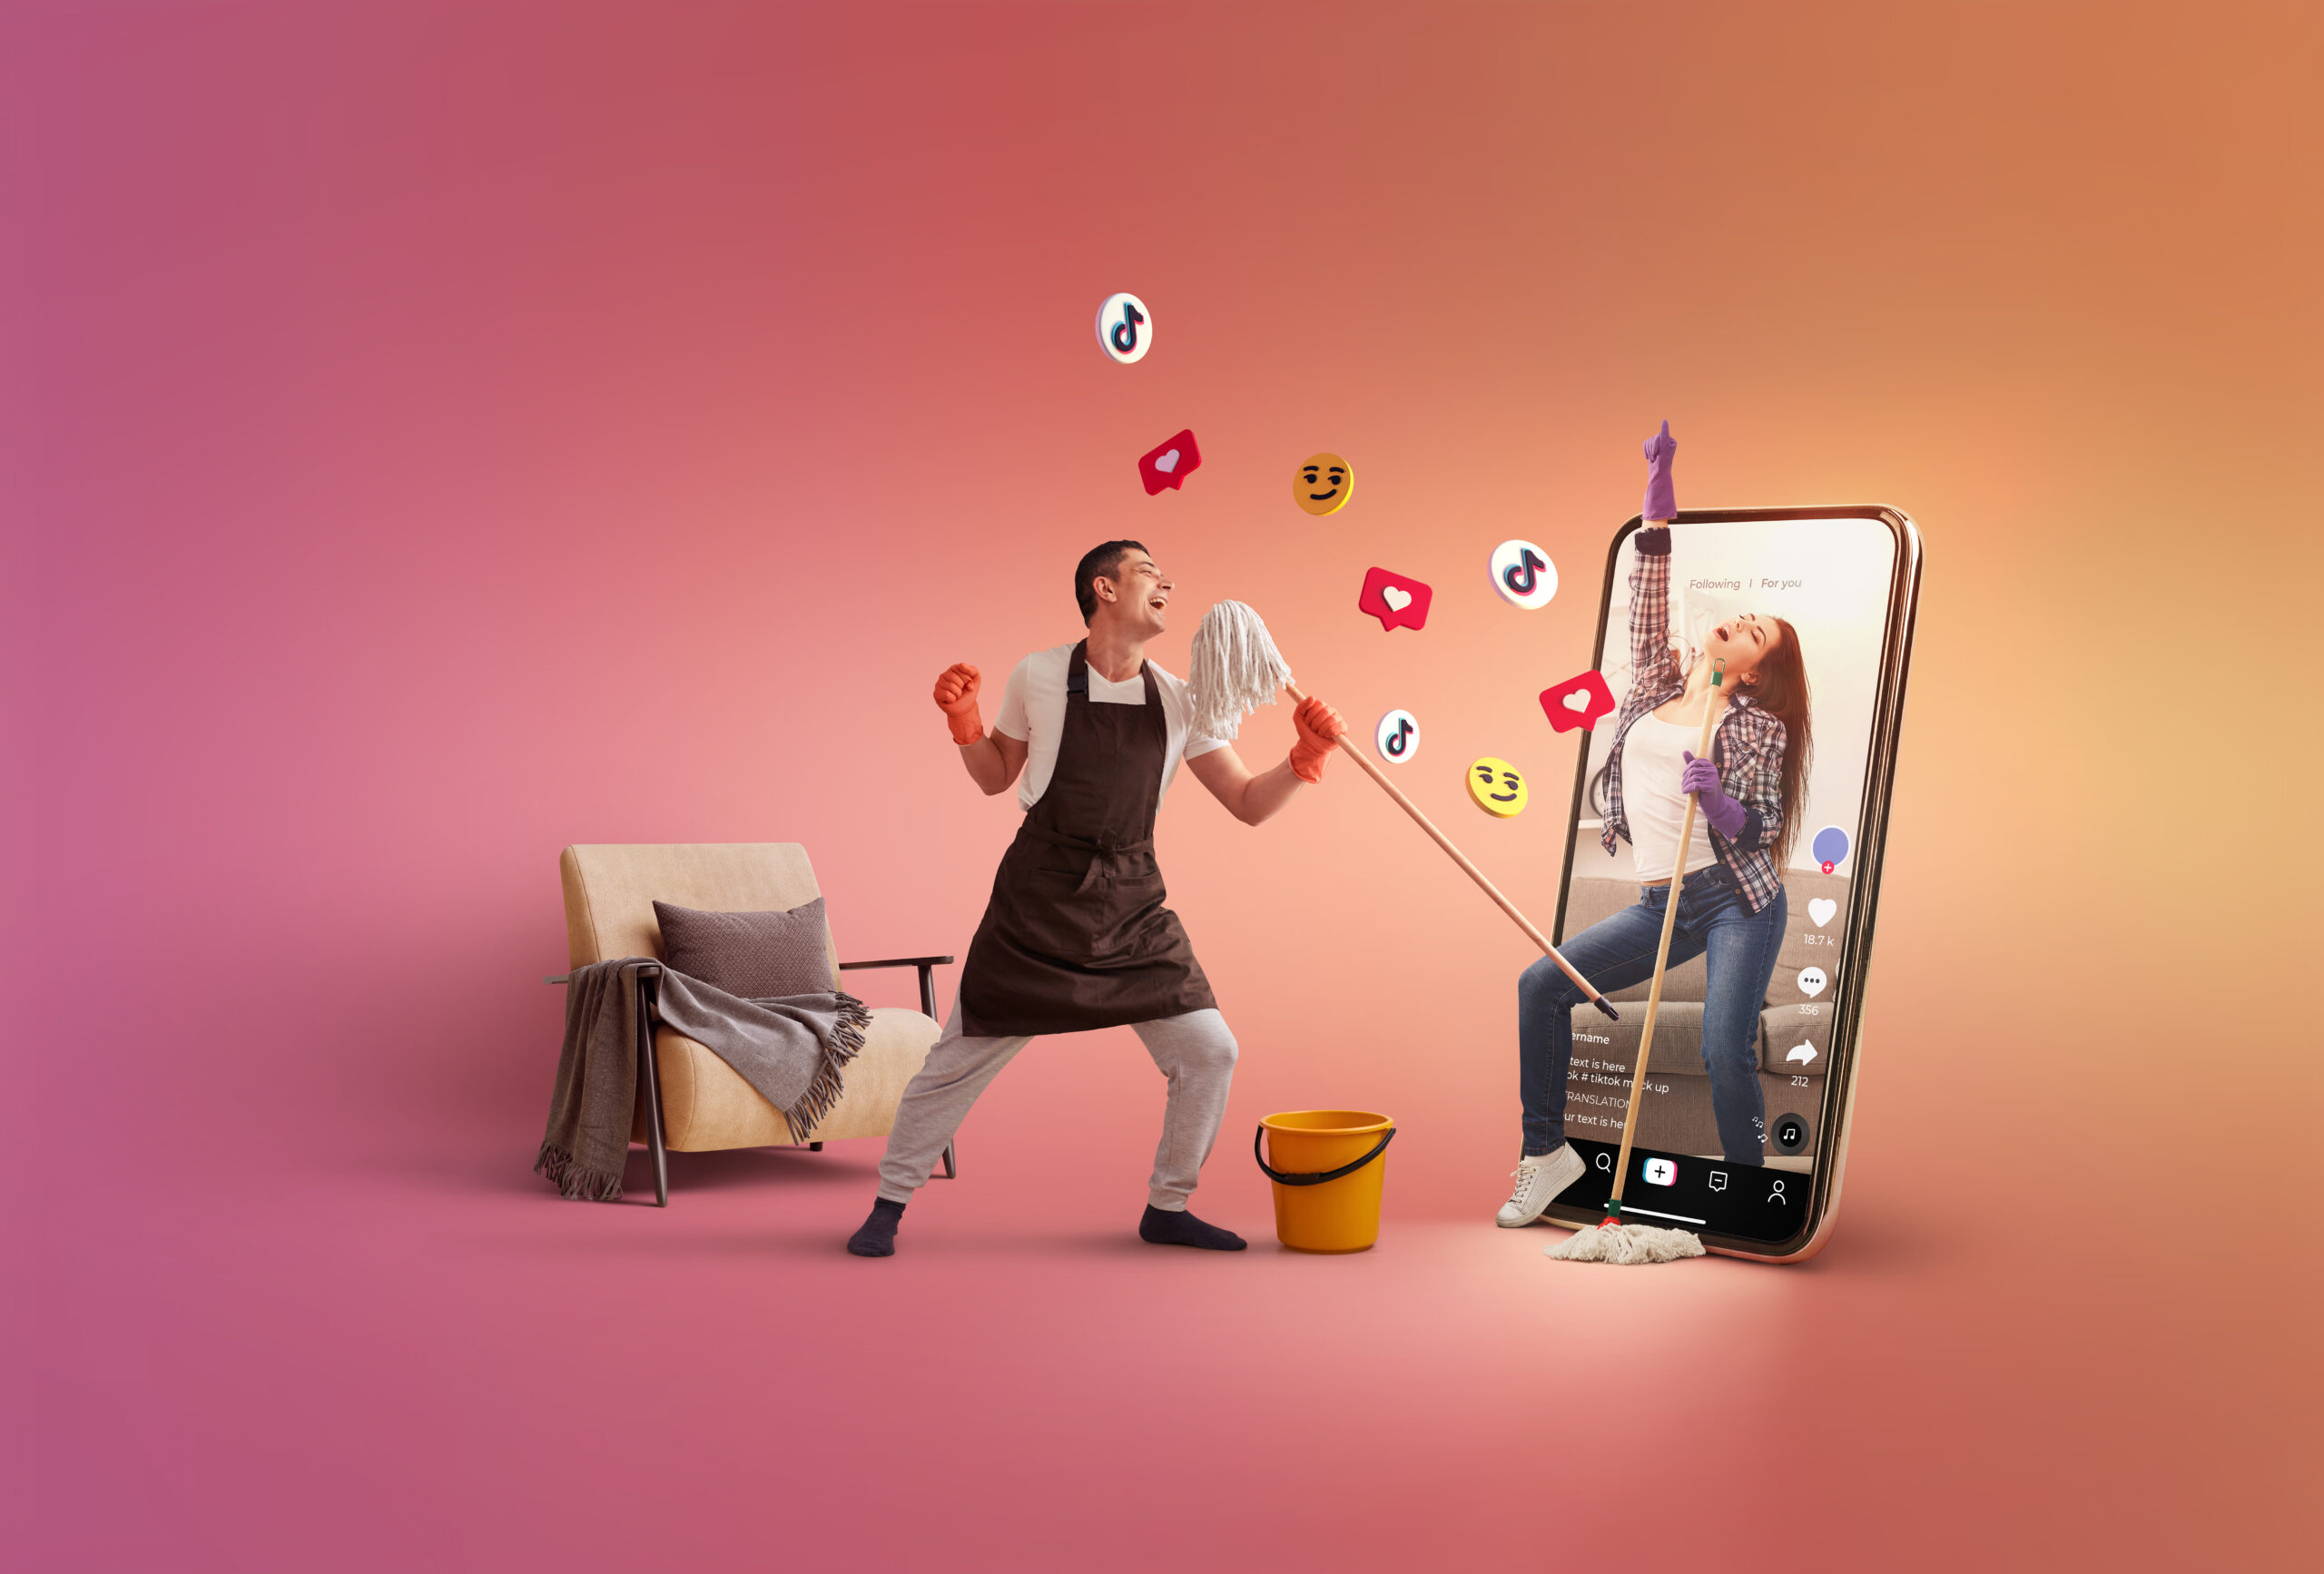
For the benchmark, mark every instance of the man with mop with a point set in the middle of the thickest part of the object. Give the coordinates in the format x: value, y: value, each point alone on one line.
x: 1076, y: 937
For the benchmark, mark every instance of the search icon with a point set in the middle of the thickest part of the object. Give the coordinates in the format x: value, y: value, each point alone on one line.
x: 1605, y: 1162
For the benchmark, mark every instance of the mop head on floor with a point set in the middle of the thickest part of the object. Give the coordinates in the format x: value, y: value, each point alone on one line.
x: 1235, y: 670
x: 1625, y: 1243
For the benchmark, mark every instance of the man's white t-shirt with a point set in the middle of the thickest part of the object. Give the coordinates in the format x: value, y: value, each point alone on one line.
x: 1032, y: 711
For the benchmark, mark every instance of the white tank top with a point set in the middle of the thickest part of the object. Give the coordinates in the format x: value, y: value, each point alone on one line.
x: 1653, y: 757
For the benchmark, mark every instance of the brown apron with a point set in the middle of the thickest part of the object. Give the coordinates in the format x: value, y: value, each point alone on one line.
x: 1076, y: 935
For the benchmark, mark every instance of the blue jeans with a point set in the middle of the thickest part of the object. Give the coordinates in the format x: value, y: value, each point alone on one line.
x: 1713, y: 919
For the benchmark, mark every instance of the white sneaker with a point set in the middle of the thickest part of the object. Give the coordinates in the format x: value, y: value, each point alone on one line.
x: 1539, y: 1181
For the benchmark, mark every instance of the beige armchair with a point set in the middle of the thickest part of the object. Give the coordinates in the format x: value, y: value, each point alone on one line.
x: 688, y: 1098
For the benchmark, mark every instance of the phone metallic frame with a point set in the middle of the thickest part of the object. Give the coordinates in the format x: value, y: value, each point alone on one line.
x: 1839, y: 1106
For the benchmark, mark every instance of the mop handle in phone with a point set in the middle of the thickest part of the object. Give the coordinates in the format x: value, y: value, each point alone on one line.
x: 1355, y: 752
x: 1662, y: 952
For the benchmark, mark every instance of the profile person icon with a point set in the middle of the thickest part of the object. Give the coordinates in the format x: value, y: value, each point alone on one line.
x: 1777, y: 1196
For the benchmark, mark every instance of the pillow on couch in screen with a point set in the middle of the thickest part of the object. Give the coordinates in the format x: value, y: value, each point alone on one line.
x: 760, y: 955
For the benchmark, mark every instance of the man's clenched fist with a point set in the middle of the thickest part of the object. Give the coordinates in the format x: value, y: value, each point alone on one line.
x: 956, y: 695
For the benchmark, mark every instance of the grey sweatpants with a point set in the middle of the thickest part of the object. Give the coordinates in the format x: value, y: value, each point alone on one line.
x: 1194, y: 1052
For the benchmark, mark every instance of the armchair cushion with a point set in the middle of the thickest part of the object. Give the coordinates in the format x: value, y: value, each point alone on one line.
x: 754, y: 955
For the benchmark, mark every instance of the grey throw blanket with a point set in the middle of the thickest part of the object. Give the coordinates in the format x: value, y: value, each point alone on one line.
x: 792, y: 1050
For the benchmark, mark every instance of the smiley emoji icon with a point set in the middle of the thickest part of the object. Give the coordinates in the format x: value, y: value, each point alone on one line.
x: 1323, y: 485
x: 1495, y: 787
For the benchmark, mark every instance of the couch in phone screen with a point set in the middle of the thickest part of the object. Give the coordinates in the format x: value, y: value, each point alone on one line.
x: 1674, y: 1113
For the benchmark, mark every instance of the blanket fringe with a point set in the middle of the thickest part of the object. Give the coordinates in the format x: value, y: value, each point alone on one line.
x: 573, y: 1183
x: 823, y: 1093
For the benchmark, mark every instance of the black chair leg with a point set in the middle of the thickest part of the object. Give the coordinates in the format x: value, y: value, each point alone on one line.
x: 649, y: 1076
x: 952, y: 1169
x: 814, y: 1147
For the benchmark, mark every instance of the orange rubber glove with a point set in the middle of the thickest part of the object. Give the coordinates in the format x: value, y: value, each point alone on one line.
x: 1320, y: 727
x: 955, y: 694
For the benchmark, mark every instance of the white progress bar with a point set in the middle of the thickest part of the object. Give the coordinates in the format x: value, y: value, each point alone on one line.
x: 1651, y: 1213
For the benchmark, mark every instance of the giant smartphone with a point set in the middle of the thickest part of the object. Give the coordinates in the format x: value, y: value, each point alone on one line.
x: 1743, y: 1124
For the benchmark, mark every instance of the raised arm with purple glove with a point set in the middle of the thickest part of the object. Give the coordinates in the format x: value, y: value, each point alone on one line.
x: 1662, y: 500
x: 1701, y: 778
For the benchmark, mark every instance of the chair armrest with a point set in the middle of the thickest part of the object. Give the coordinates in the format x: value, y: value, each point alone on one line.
x: 650, y: 970
x: 926, y: 966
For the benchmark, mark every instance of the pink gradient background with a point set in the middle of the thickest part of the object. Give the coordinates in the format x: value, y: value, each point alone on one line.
x: 437, y: 434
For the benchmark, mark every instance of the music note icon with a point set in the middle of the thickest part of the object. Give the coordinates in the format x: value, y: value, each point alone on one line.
x: 1125, y: 328
x: 1524, y: 575
x: 1397, y: 737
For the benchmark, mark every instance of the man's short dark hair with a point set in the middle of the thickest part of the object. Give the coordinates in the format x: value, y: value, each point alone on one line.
x: 1099, y: 563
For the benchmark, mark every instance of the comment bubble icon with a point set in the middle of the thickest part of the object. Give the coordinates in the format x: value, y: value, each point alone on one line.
x: 1812, y: 981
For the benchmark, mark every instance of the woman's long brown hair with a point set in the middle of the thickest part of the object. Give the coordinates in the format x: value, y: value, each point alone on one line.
x: 1781, y: 691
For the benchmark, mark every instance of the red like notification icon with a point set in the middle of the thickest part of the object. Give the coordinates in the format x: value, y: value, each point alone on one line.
x: 1167, y: 465
x: 1577, y: 702
x: 1397, y: 600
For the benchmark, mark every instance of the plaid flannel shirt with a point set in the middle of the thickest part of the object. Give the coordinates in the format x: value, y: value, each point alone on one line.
x: 1747, y: 747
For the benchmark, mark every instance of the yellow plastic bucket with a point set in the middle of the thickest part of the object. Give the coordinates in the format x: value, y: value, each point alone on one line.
x: 1328, y: 1168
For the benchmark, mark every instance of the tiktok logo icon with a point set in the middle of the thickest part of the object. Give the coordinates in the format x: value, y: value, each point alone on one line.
x: 1397, y: 737
x: 1524, y: 575
x: 1125, y: 328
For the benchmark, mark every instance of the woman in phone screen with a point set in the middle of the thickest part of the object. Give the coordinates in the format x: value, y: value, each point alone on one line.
x: 1731, y: 908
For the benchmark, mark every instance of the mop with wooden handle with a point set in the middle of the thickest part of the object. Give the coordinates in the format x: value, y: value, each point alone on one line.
x: 1614, y: 1241
x: 1235, y: 668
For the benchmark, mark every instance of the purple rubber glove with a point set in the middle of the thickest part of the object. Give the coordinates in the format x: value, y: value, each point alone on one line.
x: 1701, y: 778
x: 1661, y: 502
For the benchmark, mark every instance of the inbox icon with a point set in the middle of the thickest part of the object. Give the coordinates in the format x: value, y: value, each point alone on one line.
x: 1662, y: 1172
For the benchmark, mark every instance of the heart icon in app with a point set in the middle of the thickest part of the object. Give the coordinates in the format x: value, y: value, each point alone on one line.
x: 1170, y: 465
x: 1812, y: 981
x: 1821, y: 910
x: 1397, y: 600
x: 1577, y: 702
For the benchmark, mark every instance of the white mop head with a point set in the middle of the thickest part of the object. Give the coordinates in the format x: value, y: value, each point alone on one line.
x: 1235, y: 669
x: 1625, y: 1243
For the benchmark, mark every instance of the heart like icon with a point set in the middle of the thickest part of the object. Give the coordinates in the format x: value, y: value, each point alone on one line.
x: 1821, y: 910
x: 1577, y: 701
x: 1397, y: 600
x: 1167, y: 465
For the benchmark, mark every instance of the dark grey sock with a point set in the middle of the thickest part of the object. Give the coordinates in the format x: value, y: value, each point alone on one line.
x: 1183, y: 1229
x: 877, y: 1238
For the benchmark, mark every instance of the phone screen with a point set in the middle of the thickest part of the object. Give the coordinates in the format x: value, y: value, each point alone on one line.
x: 1809, y: 618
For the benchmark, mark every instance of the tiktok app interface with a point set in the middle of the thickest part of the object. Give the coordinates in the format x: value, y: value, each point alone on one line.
x: 1731, y: 1118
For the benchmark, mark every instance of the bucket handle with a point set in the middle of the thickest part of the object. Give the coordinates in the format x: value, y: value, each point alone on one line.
x: 1319, y: 1178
